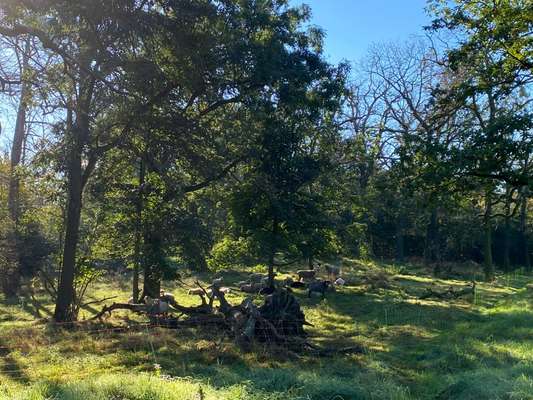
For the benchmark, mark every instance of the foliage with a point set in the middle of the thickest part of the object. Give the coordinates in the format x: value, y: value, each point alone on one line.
x: 230, y: 253
x: 500, y: 28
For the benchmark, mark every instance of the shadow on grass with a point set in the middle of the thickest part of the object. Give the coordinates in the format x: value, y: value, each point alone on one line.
x: 9, y: 366
x: 36, y: 308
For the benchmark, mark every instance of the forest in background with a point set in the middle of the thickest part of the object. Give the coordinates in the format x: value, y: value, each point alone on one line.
x: 161, y: 136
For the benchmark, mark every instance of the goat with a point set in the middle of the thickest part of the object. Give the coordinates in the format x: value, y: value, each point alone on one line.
x: 196, y: 292
x: 259, y: 278
x: 304, y: 274
x: 298, y: 285
x: 339, y: 282
x: 251, y: 288
x: 156, y: 306
x: 290, y: 283
x: 318, y: 287
x: 224, y: 290
x: 217, y: 282
x: 163, y: 307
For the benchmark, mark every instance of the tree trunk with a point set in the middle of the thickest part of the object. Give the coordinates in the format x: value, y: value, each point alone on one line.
x: 11, y: 276
x: 138, y: 234
x: 18, y: 142
x: 523, y: 230
x: 487, y: 221
x: 400, y: 242
x: 507, y: 231
x: 77, y: 137
x: 64, y: 310
x: 273, y: 248
x: 431, y: 245
x: 152, y: 263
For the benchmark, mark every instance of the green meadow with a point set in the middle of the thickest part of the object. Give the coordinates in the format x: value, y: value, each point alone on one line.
x: 476, y: 347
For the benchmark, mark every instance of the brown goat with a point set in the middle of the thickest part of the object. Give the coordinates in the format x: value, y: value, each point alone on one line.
x: 304, y: 274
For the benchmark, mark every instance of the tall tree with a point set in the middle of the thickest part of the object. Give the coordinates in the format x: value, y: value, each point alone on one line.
x: 89, y: 42
x: 490, y: 27
x: 492, y: 67
x: 296, y: 137
x: 11, y: 278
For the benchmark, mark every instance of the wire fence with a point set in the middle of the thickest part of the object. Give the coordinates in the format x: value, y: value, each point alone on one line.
x: 24, y: 349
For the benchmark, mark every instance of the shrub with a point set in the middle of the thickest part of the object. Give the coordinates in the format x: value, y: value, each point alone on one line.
x: 229, y: 253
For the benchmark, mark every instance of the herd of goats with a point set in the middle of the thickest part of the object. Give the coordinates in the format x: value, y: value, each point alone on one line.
x: 161, y: 308
x: 306, y: 279
x: 278, y: 320
x: 258, y: 284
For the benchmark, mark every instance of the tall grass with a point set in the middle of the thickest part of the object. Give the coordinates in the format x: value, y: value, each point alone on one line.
x: 466, y: 349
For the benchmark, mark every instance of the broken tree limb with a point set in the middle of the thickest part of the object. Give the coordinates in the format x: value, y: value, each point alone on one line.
x: 449, y: 294
x: 138, y: 308
x: 279, y: 321
x: 333, y: 351
x: 98, y: 301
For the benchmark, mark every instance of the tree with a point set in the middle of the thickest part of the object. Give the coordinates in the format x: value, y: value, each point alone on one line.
x: 490, y: 27
x: 88, y: 42
x: 419, y: 133
x: 276, y: 203
x: 492, y: 67
x: 11, y: 275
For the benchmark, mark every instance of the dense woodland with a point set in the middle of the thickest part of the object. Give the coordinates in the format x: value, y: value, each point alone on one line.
x: 163, y: 135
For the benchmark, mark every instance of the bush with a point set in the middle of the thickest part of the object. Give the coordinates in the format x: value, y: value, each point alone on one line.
x: 229, y: 253
x: 34, y: 249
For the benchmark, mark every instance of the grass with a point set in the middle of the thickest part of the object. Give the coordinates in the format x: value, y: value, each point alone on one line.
x: 479, y: 347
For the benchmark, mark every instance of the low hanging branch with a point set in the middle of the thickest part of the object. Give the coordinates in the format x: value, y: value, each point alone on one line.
x: 450, y: 294
x: 89, y: 303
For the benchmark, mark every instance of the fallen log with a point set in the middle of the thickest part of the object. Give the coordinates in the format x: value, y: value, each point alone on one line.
x: 146, y: 309
x: 450, y: 294
x: 279, y: 320
x: 138, y: 308
x: 333, y: 351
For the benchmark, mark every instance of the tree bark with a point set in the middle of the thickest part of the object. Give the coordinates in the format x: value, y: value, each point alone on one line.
x: 273, y: 248
x: 64, y: 311
x: 138, y: 234
x: 487, y: 222
x: 523, y: 230
x: 18, y: 141
x: 152, y: 269
x: 507, y: 231
x: 76, y: 138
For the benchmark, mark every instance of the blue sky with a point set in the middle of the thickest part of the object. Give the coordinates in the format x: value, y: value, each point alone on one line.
x: 351, y: 26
